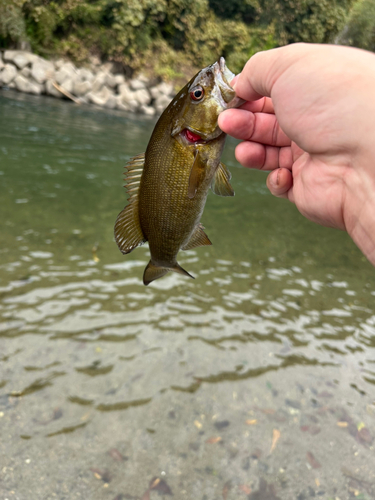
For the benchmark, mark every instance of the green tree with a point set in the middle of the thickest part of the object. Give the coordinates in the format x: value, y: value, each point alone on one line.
x: 12, y: 23
x: 360, y: 30
x: 315, y: 21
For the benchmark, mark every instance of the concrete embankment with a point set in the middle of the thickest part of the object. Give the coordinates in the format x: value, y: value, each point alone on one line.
x: 99, y: 84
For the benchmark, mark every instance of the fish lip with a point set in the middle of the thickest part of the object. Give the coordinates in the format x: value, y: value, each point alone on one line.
x: 222, y: 75
x: 236, y: 102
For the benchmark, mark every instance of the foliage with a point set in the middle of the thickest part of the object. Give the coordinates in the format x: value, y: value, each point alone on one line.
x: 169, y: 38
x: 360, y: 30
x: 12, y: 23
x: 313, y: 21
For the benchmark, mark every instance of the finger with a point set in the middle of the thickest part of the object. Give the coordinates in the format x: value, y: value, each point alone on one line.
x: 267, y: 131
x: 258, y: 127
x: 263, y: 105
x: 232, y: 83
x: 236, y: 122
x: 263, y: 70
x: 255, y: 155
x: 280, y: 183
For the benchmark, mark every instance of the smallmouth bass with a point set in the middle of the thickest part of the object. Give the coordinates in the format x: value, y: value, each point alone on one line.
x: 168, y: 184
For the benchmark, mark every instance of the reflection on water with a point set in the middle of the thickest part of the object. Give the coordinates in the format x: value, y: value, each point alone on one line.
x: 278, y: 329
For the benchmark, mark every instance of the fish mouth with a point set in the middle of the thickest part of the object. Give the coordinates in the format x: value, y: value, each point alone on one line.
x: 192, y: 137
x: 226, y: 72
x: 224, y: 76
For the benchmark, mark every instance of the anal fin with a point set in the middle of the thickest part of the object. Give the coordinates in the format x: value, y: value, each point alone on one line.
x: 220, y: 183
x: 198, y: 239
x: 128, y: 231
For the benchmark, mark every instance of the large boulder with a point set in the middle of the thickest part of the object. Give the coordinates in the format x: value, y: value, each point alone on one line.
x: 162, y: 89
x: 59, y: 63
x: 99, y: 82
x: 8, y: 74
x: 30, y: 87
x: 19, y: 58
x: 85, y: 74
x: 68, y: 85
x: 123, y: 106
x: 26, y: 72
x: 127, y: 97
x: 110, y: 81
x: 94, y: 62
x: 120, y: 79
x: 104, y: 98
x: 81, y: 88
x: 66, y: 71
x: 142, y: 96
x: 137, y: 84
x: 124, y: 90
x: 161, y: 103
x: 147, y: 110
x: 42, y: 70
x: 52, y: 90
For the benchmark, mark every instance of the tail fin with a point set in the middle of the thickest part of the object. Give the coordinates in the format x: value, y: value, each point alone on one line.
x: 153, y: 272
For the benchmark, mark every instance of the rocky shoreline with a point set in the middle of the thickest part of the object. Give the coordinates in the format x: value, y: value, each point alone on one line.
x: 99, y: 84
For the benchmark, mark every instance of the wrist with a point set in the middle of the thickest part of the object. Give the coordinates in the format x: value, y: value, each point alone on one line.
x: 359, y: 206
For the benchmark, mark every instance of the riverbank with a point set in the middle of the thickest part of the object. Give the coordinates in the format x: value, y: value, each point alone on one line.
x: 102, y: 85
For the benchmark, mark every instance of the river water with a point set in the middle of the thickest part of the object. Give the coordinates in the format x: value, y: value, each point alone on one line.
x: 253, y: 381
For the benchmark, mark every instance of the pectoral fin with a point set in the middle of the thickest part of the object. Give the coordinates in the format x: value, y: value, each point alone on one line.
x: 198, y: 239
x: 220, y: 183
x: 196, y: 174
x: 128, y: 231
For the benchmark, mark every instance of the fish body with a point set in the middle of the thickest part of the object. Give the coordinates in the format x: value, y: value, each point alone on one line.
x: 168, y: 185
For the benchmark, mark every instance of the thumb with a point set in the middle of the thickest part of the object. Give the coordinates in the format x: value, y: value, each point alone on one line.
x: 263, y: 70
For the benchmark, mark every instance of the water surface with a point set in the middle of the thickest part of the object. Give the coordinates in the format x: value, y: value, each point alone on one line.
x: 255, y: 380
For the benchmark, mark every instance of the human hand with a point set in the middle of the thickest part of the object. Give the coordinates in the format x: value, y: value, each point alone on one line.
x: 310, y: 120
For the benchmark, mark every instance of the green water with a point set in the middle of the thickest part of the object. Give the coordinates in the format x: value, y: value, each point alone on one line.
x: 276, y: 333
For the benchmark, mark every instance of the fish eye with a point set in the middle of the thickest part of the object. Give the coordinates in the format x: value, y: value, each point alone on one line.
x: 197, y: 94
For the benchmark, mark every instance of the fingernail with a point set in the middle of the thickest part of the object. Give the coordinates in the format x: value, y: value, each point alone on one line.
x: 274, y: 179
x: 273, y: 182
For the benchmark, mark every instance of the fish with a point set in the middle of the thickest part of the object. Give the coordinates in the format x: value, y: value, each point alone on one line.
x: 167, y: 186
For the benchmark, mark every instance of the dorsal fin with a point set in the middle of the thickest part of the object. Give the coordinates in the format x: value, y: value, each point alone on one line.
x: 220, y: 183
x: 198, y: 239
x: 128, y: 231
